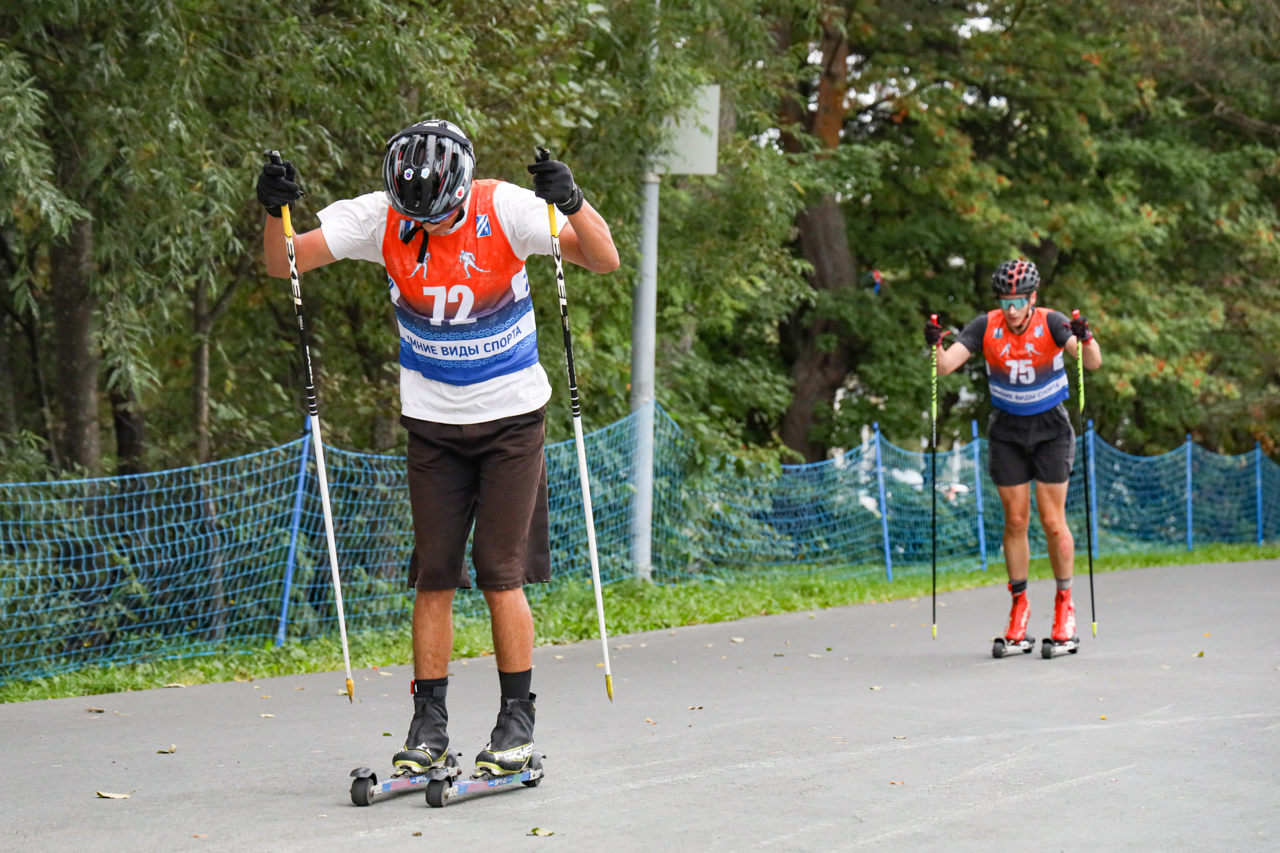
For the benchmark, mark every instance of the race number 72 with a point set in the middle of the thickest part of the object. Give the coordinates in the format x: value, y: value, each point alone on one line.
x: 1021, y: 372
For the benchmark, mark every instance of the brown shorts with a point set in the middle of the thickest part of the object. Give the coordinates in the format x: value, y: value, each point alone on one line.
x: 492, y: 475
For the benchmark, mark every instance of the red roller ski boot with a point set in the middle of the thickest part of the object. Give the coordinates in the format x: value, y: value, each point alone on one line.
x: 1064, y: 639
x: 1015, y: 637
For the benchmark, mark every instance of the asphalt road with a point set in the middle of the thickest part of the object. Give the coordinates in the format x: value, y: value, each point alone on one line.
x: 839, y: 729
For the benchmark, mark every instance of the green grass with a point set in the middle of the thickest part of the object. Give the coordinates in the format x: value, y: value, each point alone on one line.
x: 566, y: 614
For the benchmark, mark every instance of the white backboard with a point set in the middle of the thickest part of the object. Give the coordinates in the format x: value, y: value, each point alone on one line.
x: 696, y: 137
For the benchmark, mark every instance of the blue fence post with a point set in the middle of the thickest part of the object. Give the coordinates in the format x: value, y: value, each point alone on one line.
x: 293, y: 530
x: 1190, y: 533
x: 884, y: 508
x: 1257, y: 483
x: 1092, y: 497
x: 977, y: 482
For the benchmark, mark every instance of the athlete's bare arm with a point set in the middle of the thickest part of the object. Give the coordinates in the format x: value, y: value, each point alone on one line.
x: 587, y: 241
x: 950, y: 358
x: 310, y: 249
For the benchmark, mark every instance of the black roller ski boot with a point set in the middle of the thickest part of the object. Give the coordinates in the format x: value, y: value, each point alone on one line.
x: 428, y: 743
x: 511, y: 743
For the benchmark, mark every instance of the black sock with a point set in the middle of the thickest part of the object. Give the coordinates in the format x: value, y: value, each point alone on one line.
x: 1016, y: 587
x: 424, y: 686
x: 515, y: 685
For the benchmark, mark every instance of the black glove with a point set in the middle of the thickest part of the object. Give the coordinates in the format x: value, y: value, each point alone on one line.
x: 277, y: 184
x: 1080, y: 328
x: 553, y: 183
x: 933, y: 333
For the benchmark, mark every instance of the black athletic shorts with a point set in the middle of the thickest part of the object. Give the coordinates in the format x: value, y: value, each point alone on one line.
x: 492, y: 475
x: 1022, y: 448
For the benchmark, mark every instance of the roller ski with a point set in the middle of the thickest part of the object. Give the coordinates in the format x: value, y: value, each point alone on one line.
x: 1015, y: 639
x: 425, y: 757
x: 507, y: 760
x: 1064, y: 640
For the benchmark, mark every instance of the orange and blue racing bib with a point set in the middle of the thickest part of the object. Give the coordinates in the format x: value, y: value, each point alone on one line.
x: 462, y: 299
x: 1025, y: 372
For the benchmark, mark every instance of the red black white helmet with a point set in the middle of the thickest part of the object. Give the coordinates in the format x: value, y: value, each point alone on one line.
x: 1015, y: 278
x: 428, y: 170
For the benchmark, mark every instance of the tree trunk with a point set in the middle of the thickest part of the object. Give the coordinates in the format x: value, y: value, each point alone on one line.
x: 70, y: 267
x: 820, y: 357
x: 204, y: 316
x: 817, y: 346
x: 131, y: 431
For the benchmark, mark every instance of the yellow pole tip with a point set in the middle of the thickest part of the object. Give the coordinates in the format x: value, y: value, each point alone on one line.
x: 1095, y: 629
x: 608, y: 685
x: 351, y: 690
x: 935, y: 632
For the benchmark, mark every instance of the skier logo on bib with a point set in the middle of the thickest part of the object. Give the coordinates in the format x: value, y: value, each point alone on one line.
x: 468, y: 262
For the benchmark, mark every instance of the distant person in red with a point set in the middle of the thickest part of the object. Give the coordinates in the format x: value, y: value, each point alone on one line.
x: 1030, y: 436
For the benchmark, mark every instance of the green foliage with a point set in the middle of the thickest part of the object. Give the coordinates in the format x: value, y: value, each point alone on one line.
x: 1130, y: 149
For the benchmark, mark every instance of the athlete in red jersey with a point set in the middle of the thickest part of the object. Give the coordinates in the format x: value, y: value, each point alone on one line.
x: 1030, y: 436
x: 471, y: 389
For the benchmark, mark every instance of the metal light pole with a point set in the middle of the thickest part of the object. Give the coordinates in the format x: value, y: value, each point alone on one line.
x: 644, y: 325
x: 695, y: 139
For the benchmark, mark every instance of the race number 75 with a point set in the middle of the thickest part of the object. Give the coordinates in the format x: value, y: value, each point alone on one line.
x: 1021, y: 372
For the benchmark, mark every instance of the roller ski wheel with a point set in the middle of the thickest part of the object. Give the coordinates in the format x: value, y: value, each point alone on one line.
x: 440, y: 792
x: 1050, y: 649
x: 1003, y: 647
x: 365, y: 787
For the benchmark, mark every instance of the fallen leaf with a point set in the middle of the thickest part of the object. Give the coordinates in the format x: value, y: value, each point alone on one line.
x: 172, y: 749
x: 175, y: 684
x: 642, y: 645
x: 828, y: 648
x: 815, y: 656
x: 386, y: 734
x: 1165, y: 666
x: 118, y: 714
x: 205, y: 835
x: 1198, y: 655
x: 778, y: 655
x: 417, y: 834
x: 649, y: 721
x: 94, y: 711
x: 893, y: 624
x: 1206, y: 633
x: 623, y: 646
x: 107, y: 795
x: 299, y: 688
x: 695, y: 707
x: 342, y: 693
x: 600, y: 664
x: 897, y: 783
x: 387, y: 674
x: 899, y: 737
x: 1103, y: 717
x: 877, y: 687
x: 264, y: 696
x: 269, y: 716
x: 737, y: 639
x: 559, y: 657
x: 540, y: 832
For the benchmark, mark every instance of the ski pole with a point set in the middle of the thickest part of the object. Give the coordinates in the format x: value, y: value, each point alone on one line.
x: 314, y: 412
x: 578, y: 440
x: 933, y: 474
x: 1088, y: 494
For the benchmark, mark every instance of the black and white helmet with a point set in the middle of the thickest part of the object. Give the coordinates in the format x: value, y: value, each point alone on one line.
x: 1015, y: 278
x: 428, y: 170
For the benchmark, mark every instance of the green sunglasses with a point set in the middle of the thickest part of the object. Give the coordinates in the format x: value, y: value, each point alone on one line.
x: 1016, y: 303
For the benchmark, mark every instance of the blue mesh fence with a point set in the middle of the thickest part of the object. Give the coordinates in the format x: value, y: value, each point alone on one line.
x: 232, y: 554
